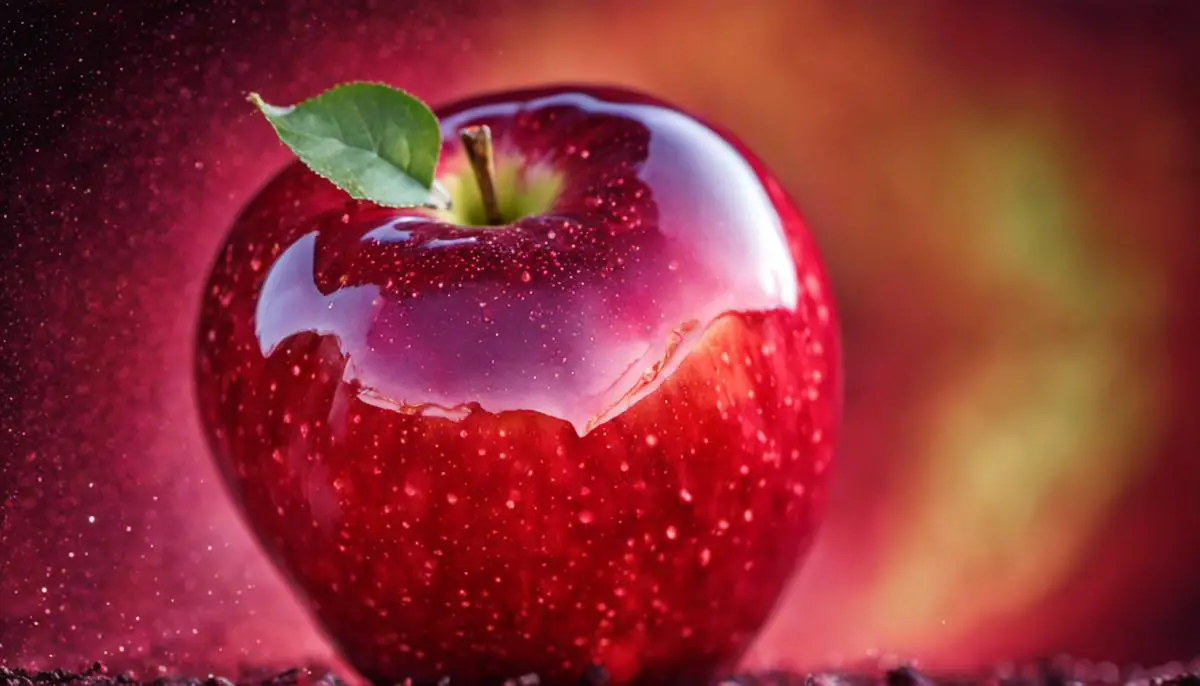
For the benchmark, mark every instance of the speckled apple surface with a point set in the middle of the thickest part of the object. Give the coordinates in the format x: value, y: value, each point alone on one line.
x: 600, y: 433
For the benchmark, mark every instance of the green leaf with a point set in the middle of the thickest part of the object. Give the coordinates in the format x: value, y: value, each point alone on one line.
x: 373, y: 141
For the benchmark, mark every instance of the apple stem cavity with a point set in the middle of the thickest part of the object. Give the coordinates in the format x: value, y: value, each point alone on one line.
x: 477, y: 143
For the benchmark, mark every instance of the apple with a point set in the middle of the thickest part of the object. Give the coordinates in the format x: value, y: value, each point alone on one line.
x: 583, y: 415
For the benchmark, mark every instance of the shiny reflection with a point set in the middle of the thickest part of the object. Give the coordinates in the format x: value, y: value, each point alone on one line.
x: 662, y: 227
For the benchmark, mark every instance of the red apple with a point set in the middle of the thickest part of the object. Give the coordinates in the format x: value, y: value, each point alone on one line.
x: 597, y: 432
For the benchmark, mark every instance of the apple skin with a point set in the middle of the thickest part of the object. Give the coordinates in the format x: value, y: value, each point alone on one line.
x: 598, y: 434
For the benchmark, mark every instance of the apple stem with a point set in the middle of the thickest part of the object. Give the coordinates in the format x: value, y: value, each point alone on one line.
x: 477, y: 142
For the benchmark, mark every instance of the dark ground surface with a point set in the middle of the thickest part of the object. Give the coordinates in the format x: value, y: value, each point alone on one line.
x: 1059, y: 672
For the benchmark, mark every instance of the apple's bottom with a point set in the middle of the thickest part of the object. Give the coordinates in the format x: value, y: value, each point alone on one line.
x: 1059, y: 672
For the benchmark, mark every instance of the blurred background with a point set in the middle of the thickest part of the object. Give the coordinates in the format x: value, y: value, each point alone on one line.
x: 1005, y: 194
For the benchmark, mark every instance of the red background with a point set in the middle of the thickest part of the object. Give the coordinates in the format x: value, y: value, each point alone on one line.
x: 1005, y: 195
